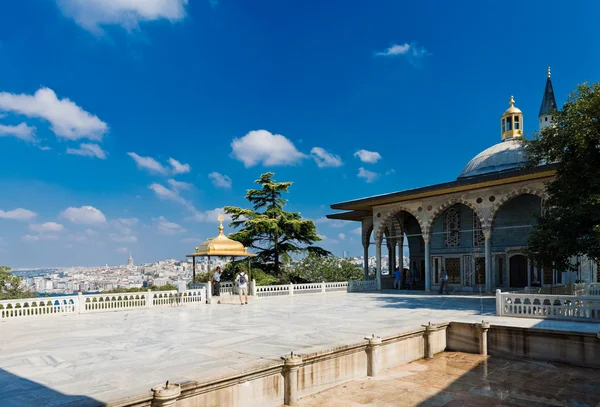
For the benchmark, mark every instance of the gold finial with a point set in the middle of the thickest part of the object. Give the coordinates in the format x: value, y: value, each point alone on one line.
x: 512, y: 100
x: 548, y: 72
x: 220, y: 218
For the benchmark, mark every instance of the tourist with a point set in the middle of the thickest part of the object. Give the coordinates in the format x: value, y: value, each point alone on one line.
x: 409, y: 281
x: 216, y: 280
x: 444, y: 283
x: 397, y: 278
x: 242, y: 283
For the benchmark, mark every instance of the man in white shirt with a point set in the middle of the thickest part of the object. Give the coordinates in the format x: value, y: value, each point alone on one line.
x: 242, y: 283
x: 217, y: 282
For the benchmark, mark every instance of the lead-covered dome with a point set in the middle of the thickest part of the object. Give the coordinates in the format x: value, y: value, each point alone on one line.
x: 507, y: 155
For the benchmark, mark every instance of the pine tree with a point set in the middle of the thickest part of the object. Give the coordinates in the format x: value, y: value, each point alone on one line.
x: 268, y: 229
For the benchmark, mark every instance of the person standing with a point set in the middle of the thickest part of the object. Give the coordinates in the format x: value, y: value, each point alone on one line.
x: 444, y: 283
x: 242, y: 283
x: 409, y: 281
x: 397, y: 278
x: 217, y: 282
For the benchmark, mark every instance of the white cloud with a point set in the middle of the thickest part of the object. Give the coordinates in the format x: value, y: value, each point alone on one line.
x: 334, y: 223
x: 341, y: 236
x: 179, y: 185
x: 130, y: 222
x: 37, y: 238
x: 260, y: 146
x: 21, y: 131
x: 122, y: 250
x: 220, y: 180
x: 357, y: 231
x: 412, y: 52
x: 325, y: 159
x: 171, y: 195
x: 167, y: 228
x: 211, y: 215
x: 123, y: 239
x: 77, y: 237
x: 18, y: 214
x: 66, y: 118
x: 179, y: 168
x: 366, y: 156
x: 90, y: 232
x: 367, y: 175
x: 395, y: 50
x: 48, y: 227
x: 91, y: 14
x: 86, y: 215
x: 392, y: 171
x: 323, y: 237
x: 88, y: 150
x: 148, y: 163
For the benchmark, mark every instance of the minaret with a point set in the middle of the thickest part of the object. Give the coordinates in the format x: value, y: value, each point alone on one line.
x: 548, y: 105
x: 511, y: 122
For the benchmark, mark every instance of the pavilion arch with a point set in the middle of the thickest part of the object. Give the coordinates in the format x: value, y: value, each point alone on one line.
x: 511, y: 195
x: 394, y: 216
x: 366, y: 235
x: 440, y: 209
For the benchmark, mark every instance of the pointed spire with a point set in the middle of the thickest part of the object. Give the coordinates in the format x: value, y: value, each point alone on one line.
x: 548, y: 101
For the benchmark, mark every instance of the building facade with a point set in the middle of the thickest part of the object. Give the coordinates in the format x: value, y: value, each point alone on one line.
x: 476, y: 227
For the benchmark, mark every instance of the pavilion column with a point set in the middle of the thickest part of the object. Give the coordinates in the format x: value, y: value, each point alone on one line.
x: 488, y: 260
x: 391, y: 246
x: 378, y: 271
x: 401, y: 252
x: 426, y: 238
x: 193, y: 269
x: 366, y: 260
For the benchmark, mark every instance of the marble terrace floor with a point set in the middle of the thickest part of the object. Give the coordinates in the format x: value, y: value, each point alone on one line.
x: 460, y: 379
x: 93, y: 358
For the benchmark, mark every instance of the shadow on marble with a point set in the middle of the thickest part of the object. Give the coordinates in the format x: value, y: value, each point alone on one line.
x: 16, y: 391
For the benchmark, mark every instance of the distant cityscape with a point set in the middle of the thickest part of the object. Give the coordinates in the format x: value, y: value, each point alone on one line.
x: 69, y: 280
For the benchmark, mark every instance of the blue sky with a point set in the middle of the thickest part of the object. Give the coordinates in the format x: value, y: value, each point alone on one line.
x: 126, y: 125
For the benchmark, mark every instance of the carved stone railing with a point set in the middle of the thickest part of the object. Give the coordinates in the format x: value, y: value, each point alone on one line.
x: 592, y: 289
x: 571, y: 307
x: 87, y: 303
x: 364, y: 285
x: 297, y: 289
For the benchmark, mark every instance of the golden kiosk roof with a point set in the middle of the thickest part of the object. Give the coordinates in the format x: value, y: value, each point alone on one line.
x: 221, y: 246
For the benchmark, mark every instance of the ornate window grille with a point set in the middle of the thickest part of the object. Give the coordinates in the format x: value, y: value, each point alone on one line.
x: 480, y: 270
x: 452, y: 227
x: 478, y: 236
x: 453, y: 269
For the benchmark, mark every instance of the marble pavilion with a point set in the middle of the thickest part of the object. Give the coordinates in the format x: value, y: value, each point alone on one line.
x: 474, y: 227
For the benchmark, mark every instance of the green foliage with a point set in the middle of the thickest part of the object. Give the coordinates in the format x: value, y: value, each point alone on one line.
x: 268, y: 229
x: 570, y: 223
x: 315, y: 269
x: 233, y: 268
x: 166, y: 287
x: 11, y: 286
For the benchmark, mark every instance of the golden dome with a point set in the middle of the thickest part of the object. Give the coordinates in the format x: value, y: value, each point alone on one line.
x: 221, y: 246
x: 512, y: 109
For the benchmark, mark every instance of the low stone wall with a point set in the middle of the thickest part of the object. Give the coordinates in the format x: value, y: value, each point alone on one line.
x: 298, y: 376
x: 574, y: 348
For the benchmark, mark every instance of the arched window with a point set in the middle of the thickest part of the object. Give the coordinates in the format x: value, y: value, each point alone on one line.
x: 452, y: 227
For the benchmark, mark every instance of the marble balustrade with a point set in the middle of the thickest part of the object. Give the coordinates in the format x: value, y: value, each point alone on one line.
x: 87, y: 303
x: 364, y: 285
x: 569, y: 307
x: 103, y: 302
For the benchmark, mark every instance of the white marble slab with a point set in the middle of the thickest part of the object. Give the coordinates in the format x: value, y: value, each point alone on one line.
x: 94, y: 358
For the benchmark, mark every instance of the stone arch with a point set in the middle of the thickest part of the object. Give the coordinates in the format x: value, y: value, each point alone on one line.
x: 511, y: 195
x: 366, y: 235
x: 440, y: 209
x: 393, y: 215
